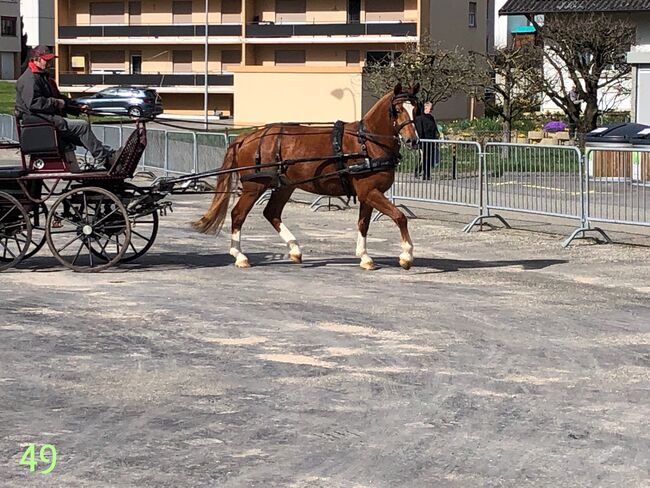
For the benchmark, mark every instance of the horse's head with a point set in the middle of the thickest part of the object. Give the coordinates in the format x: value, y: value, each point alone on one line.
x: 402, y: 113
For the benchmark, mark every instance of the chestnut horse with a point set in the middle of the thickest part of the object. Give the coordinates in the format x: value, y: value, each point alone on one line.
x: 359, y: 161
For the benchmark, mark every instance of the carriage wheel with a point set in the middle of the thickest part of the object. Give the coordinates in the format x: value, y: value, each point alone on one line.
x: 88, y: 229
x: 15, y: 231
x: 144, y: 225
x: 37, y: 217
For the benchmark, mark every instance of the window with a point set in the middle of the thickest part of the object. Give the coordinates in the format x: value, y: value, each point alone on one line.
x: 135, y: 12
x: 385, y: 11
x: 384, y: 58
x: 230, y: 11
x: 230, y: 57
x: 288, y: 11
x: 107, y: 13
x: 9, y: 26
x: 352, y: 58
x: 182, y: 61
x: 285, y: 56
x: 472, y: 14
x: 182, y: 12
x: 107, y: 61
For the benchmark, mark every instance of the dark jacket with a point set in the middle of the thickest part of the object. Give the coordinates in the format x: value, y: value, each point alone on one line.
x: 36, y: 94
x: 426, y: 126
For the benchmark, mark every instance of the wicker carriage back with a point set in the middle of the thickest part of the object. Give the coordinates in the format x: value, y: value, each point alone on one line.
x: 127, y: 162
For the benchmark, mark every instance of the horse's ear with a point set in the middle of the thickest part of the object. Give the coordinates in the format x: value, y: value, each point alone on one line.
x: 415, y: 89
x: 398, y: 89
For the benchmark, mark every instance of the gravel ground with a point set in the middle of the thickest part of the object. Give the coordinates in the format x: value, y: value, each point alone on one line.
x: 499, y: 359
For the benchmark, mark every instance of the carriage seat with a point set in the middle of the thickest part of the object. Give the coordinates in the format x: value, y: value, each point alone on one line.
x: 12, y: 172
x: 37, y: 136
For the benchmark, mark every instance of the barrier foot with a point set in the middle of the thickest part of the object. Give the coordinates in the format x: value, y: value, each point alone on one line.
x: 316, y: 205
x: 481, y: 221
x: 581, y: 233
x: 409, y: 213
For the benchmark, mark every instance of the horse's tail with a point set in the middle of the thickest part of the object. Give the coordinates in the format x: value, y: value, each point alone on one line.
x: 214, y: 218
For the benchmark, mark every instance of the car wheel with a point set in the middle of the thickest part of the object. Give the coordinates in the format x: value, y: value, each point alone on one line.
x: 135, y: 112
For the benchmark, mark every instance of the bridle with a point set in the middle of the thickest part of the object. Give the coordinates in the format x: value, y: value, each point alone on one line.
x: 401, y: 98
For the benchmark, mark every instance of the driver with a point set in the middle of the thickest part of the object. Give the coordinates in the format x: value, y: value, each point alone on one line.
x: 37, y: 94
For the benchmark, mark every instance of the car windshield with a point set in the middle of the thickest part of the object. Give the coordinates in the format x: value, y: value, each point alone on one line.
x: 150, y: 93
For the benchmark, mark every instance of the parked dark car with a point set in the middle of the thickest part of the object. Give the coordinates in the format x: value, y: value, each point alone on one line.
x: 132, y: 100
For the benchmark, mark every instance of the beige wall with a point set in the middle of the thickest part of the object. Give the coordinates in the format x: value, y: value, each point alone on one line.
x: 77, y: 12
x: 155, y: 58
x: 296, y: 96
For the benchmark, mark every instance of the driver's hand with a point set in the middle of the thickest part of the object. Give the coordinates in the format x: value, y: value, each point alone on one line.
x: 84, y: 107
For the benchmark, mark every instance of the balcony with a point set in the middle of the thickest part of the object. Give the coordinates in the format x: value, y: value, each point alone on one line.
x: 76, y: 31
x: 270, y: 30
x: 151, y: 80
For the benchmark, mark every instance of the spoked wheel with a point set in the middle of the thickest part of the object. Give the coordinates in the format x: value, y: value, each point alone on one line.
x: 144, y: 223
x: 144, y: 226
x: 38, y: 218
x: 88, y: 229
x: 15, y: 231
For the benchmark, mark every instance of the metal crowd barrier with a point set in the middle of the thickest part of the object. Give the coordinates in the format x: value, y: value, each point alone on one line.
x: 618, y: 186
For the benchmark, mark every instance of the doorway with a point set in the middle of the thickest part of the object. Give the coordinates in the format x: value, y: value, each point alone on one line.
x: 136, y: 63
x: 354, y: 11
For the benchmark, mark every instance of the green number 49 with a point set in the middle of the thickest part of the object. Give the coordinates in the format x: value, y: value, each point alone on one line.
x: 29, y: 457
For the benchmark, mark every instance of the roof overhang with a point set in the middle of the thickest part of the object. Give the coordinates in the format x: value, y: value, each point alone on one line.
x: 532, y: 7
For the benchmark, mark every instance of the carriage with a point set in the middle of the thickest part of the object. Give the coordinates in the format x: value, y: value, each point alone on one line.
x: 94, y: 220
x: 89, y: 220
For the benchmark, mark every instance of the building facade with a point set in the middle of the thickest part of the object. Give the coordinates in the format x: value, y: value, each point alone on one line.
x: 10, y: 32
x: 38, y: 21
x: 267, y: 60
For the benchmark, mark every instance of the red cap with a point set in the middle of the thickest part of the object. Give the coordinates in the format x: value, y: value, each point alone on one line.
x: 43, y: 52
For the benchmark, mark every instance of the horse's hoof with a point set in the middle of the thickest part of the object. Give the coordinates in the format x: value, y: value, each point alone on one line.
x: 296, y: 258
x: 242, y: 263
x: 367, y: 265
x: 405, y: 264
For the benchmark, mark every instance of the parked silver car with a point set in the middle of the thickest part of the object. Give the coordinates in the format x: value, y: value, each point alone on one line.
x: 132, y: 100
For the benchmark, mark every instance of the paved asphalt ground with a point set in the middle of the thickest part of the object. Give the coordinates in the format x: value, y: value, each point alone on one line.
x: 500, y: 359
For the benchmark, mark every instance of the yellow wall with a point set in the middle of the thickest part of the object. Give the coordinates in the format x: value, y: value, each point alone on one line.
x: 299, y: 95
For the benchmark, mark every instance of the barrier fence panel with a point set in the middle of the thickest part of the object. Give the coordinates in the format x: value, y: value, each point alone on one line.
x: 154, y: 154
x: 211, y: 149
x: 537, y: 179
x: 113, y: 136
x: 181, y: 151
x: 440, y: 172
x: 618, y: 186
x: 7, y: 127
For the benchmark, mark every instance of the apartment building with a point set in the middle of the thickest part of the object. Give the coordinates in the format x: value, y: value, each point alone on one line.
x: 38, y: 21
x: 10, y: 31
x: 267, y: 60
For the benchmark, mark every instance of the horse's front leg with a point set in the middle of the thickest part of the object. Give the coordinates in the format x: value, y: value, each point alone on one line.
x: 273, y: 213
x: 379, y: 201
x: 365, y: 212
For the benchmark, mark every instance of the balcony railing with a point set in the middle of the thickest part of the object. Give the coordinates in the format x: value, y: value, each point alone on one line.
x: 74, y: 31
x: 351, y: 29
x: 152, y: 80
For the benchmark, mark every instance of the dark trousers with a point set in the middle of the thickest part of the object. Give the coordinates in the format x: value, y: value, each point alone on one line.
x: 429, y: 158
x: 80, y: 134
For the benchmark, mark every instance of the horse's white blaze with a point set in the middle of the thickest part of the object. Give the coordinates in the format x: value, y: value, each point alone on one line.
x: 288, y: 237
x: 410, y: 108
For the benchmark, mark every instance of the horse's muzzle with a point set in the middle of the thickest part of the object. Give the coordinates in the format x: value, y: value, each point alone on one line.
x: 411, y: 143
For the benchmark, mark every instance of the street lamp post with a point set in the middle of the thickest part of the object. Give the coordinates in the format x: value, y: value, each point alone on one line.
x: 205, y: 77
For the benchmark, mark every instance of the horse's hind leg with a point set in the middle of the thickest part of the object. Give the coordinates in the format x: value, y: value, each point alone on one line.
x: 365, y: 212
x: 378, y: 200
x: 273, y: 213
x: 251, y: 191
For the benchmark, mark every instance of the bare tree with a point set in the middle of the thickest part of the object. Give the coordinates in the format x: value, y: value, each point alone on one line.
x: 441, y: 73
x: 582, y: 58
x: 506, y: 87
